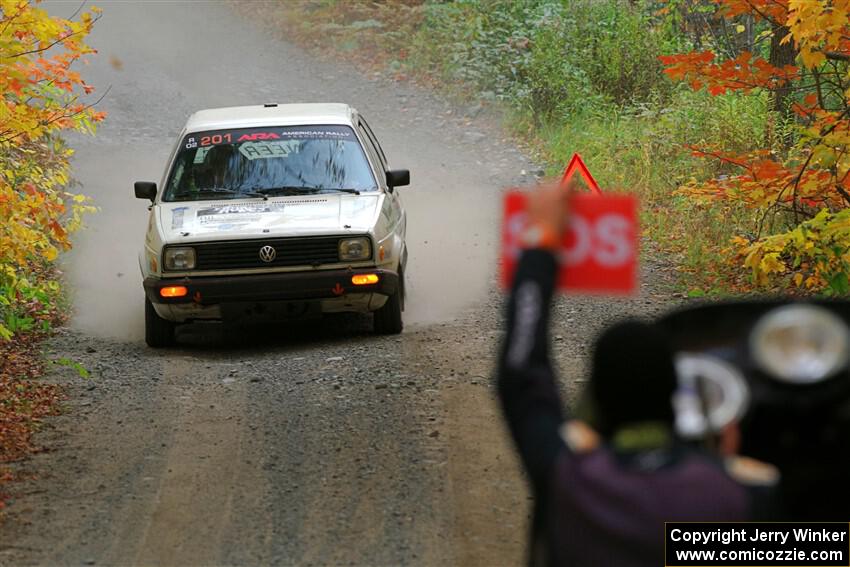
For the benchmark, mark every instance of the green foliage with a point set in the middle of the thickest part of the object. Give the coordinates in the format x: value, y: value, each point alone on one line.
x: 480, y: 43
x: 547, y: 57
x: 616, y: 45
x: 553, y: 86
x: 81, y: 370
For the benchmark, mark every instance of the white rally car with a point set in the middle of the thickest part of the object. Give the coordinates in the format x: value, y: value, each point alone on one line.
x: 283, y: 210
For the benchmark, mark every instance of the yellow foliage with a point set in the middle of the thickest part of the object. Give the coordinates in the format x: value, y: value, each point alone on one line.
x: 817, y: 252
x: 817, y: 27
x: 41, y: 95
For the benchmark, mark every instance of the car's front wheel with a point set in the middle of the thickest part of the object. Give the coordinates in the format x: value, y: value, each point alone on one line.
x: 159, y: 332
x: 388, y: 319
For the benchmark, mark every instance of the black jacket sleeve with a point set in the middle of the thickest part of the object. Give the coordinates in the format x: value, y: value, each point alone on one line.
x: 526, y: 383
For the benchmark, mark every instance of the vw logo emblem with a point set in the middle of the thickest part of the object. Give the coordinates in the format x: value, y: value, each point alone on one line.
x: 267, y: 254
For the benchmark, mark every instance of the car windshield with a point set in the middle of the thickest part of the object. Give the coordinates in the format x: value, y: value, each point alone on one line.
x: 265, y: 162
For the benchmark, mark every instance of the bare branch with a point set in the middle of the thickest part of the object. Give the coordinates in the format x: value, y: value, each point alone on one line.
x: 77, y: 11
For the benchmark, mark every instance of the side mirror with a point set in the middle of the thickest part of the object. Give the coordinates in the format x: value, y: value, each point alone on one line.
x: 397, y: 178
x: 145, y: 190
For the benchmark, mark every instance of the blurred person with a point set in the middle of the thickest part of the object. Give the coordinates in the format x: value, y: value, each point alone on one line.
x: 603, y: 493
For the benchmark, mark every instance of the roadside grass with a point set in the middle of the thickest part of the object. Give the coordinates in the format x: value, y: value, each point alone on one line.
x: 570, y: 76
x: 644, y: 151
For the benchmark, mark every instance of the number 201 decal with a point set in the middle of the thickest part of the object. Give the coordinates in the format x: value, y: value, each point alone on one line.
x: 216, y: 139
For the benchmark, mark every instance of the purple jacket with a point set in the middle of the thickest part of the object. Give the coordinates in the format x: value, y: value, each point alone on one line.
x: 596, y: 505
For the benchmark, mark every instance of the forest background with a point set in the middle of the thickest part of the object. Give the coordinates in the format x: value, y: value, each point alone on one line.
x: 728, y: 118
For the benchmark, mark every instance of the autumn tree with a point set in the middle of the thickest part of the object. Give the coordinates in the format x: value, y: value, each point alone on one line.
x: 42, y: 94
x: 799, y: 188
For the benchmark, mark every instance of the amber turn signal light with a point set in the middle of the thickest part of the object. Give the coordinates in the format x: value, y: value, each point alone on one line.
x: 173, y: 291
x: 364, y: 279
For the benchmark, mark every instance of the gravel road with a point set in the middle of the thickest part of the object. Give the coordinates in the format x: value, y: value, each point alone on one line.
x: 309, y: 444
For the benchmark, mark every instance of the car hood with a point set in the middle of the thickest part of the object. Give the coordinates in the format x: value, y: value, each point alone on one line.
x: 281, y: 216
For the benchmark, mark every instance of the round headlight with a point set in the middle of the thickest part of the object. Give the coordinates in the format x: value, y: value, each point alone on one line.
x: 711, y: 394
x: 800, y: 344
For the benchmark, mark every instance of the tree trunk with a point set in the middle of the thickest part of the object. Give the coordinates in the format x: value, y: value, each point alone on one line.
x: 782, y: 54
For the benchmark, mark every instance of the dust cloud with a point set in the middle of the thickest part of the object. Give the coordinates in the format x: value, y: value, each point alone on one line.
x: 453, y: 211
x: 103, y: 267
x: 452, y: 253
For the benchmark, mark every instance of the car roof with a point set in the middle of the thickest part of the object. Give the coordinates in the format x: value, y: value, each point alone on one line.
x: 271, y: 115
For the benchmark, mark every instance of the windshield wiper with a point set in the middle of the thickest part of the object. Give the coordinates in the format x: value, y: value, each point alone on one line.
x: 233, y: 192
x: 301, y: 189
x: 339, y: 190
x: 287, y: 190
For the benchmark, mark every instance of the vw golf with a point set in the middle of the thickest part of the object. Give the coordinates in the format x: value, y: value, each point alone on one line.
x: 279, y: 210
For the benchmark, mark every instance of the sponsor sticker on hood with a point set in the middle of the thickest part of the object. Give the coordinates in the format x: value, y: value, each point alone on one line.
x: 178, y: 217
x: 232, y: 216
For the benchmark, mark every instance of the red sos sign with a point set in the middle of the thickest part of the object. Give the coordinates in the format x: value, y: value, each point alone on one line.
x: 600, y: 248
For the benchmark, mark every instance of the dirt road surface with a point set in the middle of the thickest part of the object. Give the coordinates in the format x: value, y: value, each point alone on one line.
x: 308, y: 444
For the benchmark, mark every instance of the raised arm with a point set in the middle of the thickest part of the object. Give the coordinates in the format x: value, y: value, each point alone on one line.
x: 526, y: 382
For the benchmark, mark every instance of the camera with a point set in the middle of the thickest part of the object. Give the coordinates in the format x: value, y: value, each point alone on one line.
x: 779, y: 368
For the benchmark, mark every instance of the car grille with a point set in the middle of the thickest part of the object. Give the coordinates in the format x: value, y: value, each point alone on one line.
x: 245, y: 254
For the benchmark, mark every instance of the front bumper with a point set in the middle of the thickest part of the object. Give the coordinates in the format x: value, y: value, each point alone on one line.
x: 316, y: 285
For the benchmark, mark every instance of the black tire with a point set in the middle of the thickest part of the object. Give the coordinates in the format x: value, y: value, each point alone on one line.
x: 388, y: 319
x: 159, y: 332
